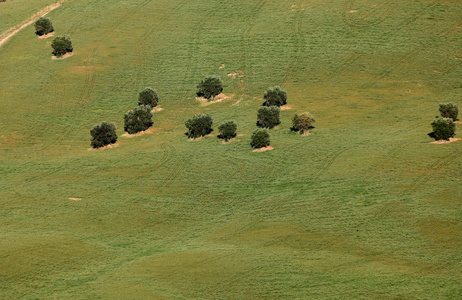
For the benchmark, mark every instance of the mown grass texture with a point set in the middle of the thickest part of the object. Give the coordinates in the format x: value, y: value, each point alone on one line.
x: 363, y: 208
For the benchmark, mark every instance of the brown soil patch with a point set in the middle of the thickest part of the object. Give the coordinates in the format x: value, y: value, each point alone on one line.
x: 451, y: 140
x: 14, y: 30
x: 74, y: 199
x: 219, y: 98
x: 352, y: 11
x: 263, y: 149
x: 156, y: 109
x: 458, y: 122
x: 147, y: 131
x: 105, y: 147
x: 222, y: 66
x: 45, y: 36
x: 286, y: 107
x: 69, y: 54
x: 233, y: 74
x: 306, y: 133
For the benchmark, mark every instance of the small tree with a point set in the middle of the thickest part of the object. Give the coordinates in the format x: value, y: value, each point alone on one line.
x: 302, y: 122
x: 199, y: 125
x: 227, y: 130
x: 61, y: 45
x: 138, y: 119
x: 268, y: 116
x: 103, y: 134
x: 260, y: 138
x: 449, y: 110
x: 148, y: 97
x: 210, y: 87
x: 443, y: 128
x: 275, y: 96
x: 43, y: 26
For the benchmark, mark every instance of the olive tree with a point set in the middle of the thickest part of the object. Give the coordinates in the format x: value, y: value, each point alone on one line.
x: 210, y: 87
x: 260, y: 138
x: 275, y: 96
x: 103, y: 134
x: 138, y: 119
x: 148, y: 97
x: 268, y: 116
x: 61, y: 45
x: 199, y: 125
x: 43, y: 26
x: 443, y: 128
x: 227, y: 130
x: 449, y: 110
x: 302, y: 122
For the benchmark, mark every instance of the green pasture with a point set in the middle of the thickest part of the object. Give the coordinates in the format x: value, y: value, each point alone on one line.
x: 13, y: 12
x: 363, y: 208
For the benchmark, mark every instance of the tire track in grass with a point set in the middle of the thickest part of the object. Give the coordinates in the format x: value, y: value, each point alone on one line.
x: 419, y: 181
x: 376, y: 15
x: 244, y: 43
x: 299, y: 43
x: 327, y: 163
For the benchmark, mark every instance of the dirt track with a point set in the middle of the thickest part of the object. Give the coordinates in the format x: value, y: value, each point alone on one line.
x: 14, y: 30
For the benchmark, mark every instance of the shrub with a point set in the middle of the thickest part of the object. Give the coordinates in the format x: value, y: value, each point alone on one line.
x: 260, y: 138
x: 43, y: 26
x: 275, y: 96
x: 210, y: 87
x: 148, y: 97
x: 103, y: 134
x: 138, y: 119
x: 199, y: 125
x: 302, y: 122
x: 449, y: 110
x: 443, y: 128
x: 61, y: 45
x: 227, y: 130
x: 268, y: 116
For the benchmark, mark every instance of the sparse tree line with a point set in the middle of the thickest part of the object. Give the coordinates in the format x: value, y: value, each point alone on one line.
x: 60, y: 44
x: 268, y: 116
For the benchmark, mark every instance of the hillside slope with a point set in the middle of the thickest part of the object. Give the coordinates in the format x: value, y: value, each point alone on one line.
x: 363, y: 208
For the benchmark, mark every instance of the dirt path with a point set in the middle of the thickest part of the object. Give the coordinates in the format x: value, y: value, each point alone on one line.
x: 12, y: 31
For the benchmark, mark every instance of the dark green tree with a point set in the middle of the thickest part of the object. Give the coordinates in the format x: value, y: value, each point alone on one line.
x: 268, y: 116
x: 210, y: 87
x: 199, y: 125
x: 148, y: 97
x: 443, y: 128
x: 138, y: 119
x: 227, y: 130
x: 61, y: 45
x: 449, y: 110
x: 302, y: 122
x: 275, y: 96
x: 103, y: 134
x: 43, y: 26
x: 260, y: 138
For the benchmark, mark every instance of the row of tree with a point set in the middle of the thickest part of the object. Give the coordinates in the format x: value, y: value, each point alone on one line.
x: 140, y: 118
x: 136, y: 120
x: 60, y: 44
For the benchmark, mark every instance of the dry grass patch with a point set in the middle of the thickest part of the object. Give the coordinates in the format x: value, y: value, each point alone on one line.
x: 150, y: 130
x: 451, y: 140
x: 105, y: 147
x: 69, y: 54
x: 263, y: 149
x: 156, y: 109
x: 219, y: 98
x: 45, y: 36
x: 74, y: 198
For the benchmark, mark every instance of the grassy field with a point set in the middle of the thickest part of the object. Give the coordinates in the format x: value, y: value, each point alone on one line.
x: 364, y: 208
x: 15, y: 11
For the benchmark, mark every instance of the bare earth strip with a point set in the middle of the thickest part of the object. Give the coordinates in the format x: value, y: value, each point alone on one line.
x: 12, y: 31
